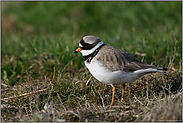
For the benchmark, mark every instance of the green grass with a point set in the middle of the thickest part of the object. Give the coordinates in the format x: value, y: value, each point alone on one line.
x: 38, y: 40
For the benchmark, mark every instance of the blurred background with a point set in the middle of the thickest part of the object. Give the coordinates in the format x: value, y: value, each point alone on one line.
x: 39, y: 37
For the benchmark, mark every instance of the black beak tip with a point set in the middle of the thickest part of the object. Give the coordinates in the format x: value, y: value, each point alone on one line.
x: 75, y: 51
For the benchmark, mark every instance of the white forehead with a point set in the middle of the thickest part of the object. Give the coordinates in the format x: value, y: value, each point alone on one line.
x: 80, y: 45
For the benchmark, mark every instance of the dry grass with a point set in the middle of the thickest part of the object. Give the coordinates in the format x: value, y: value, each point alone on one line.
x: 65, y: 97
x: 48, y: 82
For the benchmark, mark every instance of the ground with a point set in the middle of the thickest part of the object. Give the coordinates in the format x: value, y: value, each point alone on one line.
x: 43, y: 80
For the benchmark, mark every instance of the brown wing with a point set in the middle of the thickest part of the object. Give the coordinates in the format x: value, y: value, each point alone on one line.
x: 116, y: 59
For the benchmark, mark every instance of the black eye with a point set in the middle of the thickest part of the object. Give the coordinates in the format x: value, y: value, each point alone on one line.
x: 82, y: 42
x: 86, y: 46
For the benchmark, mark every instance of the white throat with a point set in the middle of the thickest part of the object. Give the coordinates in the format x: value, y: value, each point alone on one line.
x: 88, y: 52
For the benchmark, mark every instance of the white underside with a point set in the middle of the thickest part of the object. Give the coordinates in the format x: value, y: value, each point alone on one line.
x: 117, y: 77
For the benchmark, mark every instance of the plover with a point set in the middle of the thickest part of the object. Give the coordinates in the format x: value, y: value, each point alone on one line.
x: 111, y: 65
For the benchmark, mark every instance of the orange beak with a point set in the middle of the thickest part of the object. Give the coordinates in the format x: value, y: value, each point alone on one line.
x: 78, y: 50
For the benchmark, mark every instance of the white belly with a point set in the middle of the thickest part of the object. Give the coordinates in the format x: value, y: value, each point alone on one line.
x: 107, y: 76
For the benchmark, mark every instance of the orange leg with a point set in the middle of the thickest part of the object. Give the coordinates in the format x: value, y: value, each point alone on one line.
x: 112, y: 103
x: 123, y: 93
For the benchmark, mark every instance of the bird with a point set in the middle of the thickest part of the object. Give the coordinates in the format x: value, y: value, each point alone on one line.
x: 111, y: 65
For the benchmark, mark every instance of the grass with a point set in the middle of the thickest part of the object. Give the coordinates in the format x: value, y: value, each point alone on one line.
x: 40, y: 75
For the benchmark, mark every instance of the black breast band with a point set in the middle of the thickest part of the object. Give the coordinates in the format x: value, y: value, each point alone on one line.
x: 89, y: 57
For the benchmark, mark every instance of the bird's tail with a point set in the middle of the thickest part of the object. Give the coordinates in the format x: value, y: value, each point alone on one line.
x: 142, y: 72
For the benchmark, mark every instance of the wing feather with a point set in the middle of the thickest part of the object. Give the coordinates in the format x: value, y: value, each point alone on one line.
x: 116, y: 59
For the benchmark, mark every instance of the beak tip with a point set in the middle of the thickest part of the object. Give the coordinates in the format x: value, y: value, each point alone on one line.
x: 78, y: 50
x: 75, y: 51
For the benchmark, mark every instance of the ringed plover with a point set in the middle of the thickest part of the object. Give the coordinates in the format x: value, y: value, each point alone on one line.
x: 111, y: 65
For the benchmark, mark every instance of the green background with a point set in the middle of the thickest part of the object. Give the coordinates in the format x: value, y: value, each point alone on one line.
x: 40, y: 36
